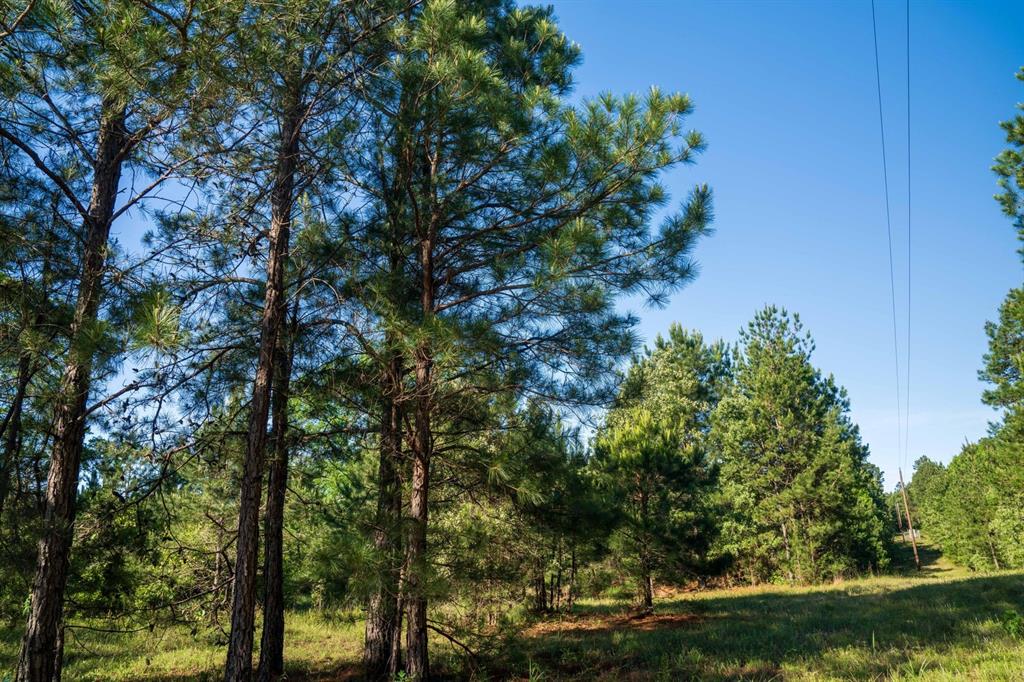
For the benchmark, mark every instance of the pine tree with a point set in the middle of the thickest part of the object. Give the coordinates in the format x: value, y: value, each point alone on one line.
x: 803, y: 502
x: 521, y: 219
x: 653, y: 456
x: 1009, y: 167
x: 1004, y: 362
x: 100, y: 88
x: 658, y: 479
x: 289, y: 86
x: 973, y: 507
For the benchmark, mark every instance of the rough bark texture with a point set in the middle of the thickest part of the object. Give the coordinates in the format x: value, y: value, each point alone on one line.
x: 39, y: 648
x: 380, y: 653
x: 243, y: 600
x: 58, y: 656
x: 395, y: 662
x: 271, y: 665
x: 648, y: 589
x: 416, y: 664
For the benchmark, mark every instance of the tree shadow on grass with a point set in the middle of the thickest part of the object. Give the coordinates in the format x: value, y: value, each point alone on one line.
x: 932, y: 563
x: 858, y: 631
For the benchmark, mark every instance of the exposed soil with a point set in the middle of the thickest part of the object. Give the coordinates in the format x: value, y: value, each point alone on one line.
x: 642, y: 621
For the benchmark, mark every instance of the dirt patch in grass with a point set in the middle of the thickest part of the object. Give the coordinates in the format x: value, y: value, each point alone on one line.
x: 643, y: 622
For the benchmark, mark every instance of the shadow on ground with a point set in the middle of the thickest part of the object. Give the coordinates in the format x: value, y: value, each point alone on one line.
x: 861, y: 630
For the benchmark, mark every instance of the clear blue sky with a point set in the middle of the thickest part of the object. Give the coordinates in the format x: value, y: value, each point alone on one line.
x: 785, y: 94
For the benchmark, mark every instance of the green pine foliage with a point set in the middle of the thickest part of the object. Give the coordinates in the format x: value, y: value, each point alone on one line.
x: 803, y: 503
x: 459, y: 238
x: 973, y: 508
x: 653, y: 461
x: 1004, y: 363
x: 1009, y: 168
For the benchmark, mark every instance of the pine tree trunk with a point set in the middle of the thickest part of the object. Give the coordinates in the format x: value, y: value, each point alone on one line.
x: 382, y: 651
x: 271, y: 665
x: 646, y: 560
x: 647, y: 578
x: 416, y: 664
x: 12, y: 428
x: 383, y: 616
x: 570, y: 600
x: 39, y: 648
x: 789, y: 554
x: 558, y: 585
x: 540, y: 597
x: 10, y: 460
x: 992, y: 548
x: 218, y: 569
x: 58, y: 657
x: 395, y: 662
x: 239, y: 657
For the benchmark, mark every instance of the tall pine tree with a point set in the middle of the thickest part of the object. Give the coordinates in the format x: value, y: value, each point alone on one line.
x: 100, y: 89
x: 802, y: 501
x: 519, y: 220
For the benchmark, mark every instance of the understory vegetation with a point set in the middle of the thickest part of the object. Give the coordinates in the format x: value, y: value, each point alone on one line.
x: 315, y: 359
x: 943, y: 623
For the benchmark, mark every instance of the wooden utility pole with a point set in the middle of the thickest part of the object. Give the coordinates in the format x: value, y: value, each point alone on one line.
x: 910, y: 524
x: 899, y: 518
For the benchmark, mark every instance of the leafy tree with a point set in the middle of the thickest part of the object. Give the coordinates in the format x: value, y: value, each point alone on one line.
x: 973, y: 505
x: 925, y: 491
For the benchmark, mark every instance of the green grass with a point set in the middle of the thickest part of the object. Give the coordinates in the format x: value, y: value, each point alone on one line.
x: 883, y: 628
x: 939, y: 624
x: 317, y: 649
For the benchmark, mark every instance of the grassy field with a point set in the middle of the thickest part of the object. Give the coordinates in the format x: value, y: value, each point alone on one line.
x: 940, y: 624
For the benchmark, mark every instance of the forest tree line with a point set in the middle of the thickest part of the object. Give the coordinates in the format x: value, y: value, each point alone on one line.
x: 359, y: 359
x: 974, y: 506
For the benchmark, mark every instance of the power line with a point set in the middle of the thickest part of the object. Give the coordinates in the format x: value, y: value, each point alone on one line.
x: 906, y: 433
x: 888, y: 225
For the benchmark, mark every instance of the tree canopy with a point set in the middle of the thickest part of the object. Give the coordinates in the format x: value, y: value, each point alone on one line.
x: 375, y: 355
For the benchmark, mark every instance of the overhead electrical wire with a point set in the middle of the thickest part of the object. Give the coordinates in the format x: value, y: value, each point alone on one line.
x: 906, y: 432
x: 888, y: 225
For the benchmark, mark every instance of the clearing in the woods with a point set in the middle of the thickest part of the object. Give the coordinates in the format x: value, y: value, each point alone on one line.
x: 942, y: 623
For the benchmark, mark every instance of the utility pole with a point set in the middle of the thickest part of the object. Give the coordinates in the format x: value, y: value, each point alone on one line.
x: 899, y: 518
x: 910, y: 524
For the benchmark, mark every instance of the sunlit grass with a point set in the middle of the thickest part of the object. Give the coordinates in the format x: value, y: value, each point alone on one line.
x: 940, y: 624
x: 315, y: 645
